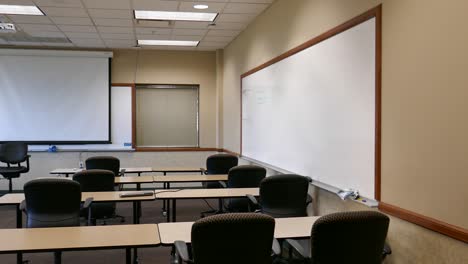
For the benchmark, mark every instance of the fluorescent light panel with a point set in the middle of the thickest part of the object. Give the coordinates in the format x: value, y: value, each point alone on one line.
x: 181, y: 16
x: 20, y: 10
x: 151, y: 42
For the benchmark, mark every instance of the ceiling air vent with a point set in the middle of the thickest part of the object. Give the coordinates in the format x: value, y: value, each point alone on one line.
x: 7, y: 28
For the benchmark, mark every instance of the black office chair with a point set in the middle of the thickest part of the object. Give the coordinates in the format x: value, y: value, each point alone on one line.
x: 53, y: 202
x: 98, y: 181
x: 245, y: 238
x: 104, y: 163
x: 284, y: 195
x: 218, y: 164
x: 13, y: 153
x: 347, y: 237
x: 244, y: 176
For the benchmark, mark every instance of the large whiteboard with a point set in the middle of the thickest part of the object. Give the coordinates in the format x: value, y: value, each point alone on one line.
x: 313, y: 113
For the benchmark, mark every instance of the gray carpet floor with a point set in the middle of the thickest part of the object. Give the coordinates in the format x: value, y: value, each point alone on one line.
x: 187, y: 210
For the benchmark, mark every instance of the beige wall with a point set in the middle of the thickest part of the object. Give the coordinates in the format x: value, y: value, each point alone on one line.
x: 174, y: 67
x: 424, y: 86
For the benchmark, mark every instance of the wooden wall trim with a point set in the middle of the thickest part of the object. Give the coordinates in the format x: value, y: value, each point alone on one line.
x: 452, y: 231
x: 230, y: 152
x: 174, y: 149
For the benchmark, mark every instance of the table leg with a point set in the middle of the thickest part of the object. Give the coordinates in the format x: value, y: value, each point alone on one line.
x: 19, y: 258
x: 168, y: 212
x: 174, y: 210
x: 128, y: 256
x: 164, y: 209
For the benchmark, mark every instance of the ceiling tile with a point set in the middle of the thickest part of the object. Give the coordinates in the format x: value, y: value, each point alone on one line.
x: 47, y: 34
x: 110, y: 13
x: 240, y: 18
x: 212, y: 44
x: 225, y: 33
x: 30, y: 19
x: 55, y: 44
x: 106, y: 4
x: 153, y: 31
x: 189, y: 38
x: 4, y: 18
x: 155, y: 5
x: 157, y: 37
x: 189, y: 32
x: 206, y: 48
x: 85, y: 29
x: 119, y: 43
x: 3, y: 42
x: 72, y: 21
x: 115, y: 29
x: 212, y: 7
x: 23, y: 43
x: 89, y: 43
x: 117, y: 36
x: 238, y: 8
x: 183, y: 24
x: 82, y: 35
x: 38, y: 27
x: 229, y: 25
x: 218, y: 39
x: 16, y: 2
x: 255, y: 1
x: 58, y: 3
x: 113, y: 22
x: 65, y: 11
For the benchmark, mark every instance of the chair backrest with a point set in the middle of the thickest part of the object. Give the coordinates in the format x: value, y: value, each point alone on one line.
x: 52, y: 202
x: 95, y: 180
x: 284, y: 195
x: 244, y: 238
x: 244, y: 176
x: 220, y: 163
x: 13, y: 152
x: 349, y: 237
x: 104, y: 163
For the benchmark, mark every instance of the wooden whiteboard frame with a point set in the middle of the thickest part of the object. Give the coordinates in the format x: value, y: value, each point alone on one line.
x: 373, y: 13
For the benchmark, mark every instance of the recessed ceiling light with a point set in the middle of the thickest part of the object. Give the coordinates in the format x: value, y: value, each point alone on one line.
x: 181, y: 16
x: 200, y: 6
x: 20, y: 10
x: 151, y: 42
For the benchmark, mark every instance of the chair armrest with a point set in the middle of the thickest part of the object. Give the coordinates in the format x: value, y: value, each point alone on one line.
x: 253, y: 203
x: 87, y: 206
x: 309, y: 199
x: 223, y: 184
x: 276, y: 248
x: 299, y: 248
x: 387, y: 250
x: 22, y: 206
x: 87, y: 203
x: 182, y: 251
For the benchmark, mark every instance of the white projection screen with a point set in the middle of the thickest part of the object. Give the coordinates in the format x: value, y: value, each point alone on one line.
x: 314, y: 113
x: 55, y: 97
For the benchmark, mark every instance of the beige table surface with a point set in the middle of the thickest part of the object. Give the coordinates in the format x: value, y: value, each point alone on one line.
x: 134, y: 179
x: 190, y: 178
x: 205, y: 193
x: 295, y: 227
x: 178, y: 169
x: 82, y: 237
x: 17, y: 198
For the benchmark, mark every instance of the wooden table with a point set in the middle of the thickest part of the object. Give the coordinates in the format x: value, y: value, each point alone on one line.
x: 138, y: 180
x: 69, y: 171
x: 189, y: 178
x: 295, y: 227
x: 174, y: 194
x: 30, y: 240
x: 17, y: 198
